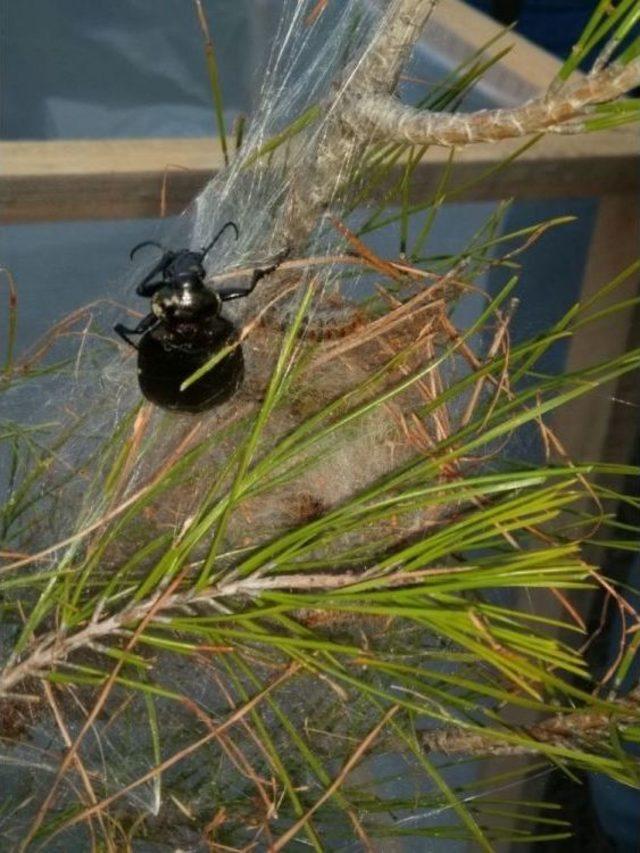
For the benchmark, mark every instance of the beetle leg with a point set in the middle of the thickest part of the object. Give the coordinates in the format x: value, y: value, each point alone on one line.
x: 143, y: 326
x: 226, y: 294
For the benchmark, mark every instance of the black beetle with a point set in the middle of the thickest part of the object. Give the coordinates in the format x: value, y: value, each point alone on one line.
x: 185, y: 329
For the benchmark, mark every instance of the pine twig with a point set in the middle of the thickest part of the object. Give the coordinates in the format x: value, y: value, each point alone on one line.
x: 54, y: 648
x: 570, y: 731
x: 364, y: 111
x: 384, y: 118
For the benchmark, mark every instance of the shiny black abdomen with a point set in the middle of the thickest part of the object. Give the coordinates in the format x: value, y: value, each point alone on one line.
x: 164, y: 366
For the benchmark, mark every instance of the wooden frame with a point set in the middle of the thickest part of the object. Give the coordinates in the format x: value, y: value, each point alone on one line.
x: 133, y: 178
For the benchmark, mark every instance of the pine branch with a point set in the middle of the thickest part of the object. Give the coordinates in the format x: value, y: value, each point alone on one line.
x: 364, y: 111
x: 570, y: 731
x: 55, y: 648
x: 387, y: 119
x: 328, y: 162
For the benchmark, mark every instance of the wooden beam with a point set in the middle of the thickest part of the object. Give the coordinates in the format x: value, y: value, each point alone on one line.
x: 603, y: 424
x: 554, y: 167
x: 102, y: 178
x: 124, y: 178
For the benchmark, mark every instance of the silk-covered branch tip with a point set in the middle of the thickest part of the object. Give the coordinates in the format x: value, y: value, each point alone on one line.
x: 382, y: 117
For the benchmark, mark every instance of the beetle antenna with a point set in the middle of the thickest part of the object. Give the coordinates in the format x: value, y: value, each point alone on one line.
x: 229, y: 224
x: 145, y: 243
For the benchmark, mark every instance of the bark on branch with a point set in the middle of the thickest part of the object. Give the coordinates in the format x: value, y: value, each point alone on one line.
x: 573, y: 731
x: 56, y: 647
x: 384, y: 118
x: 364, y: 111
